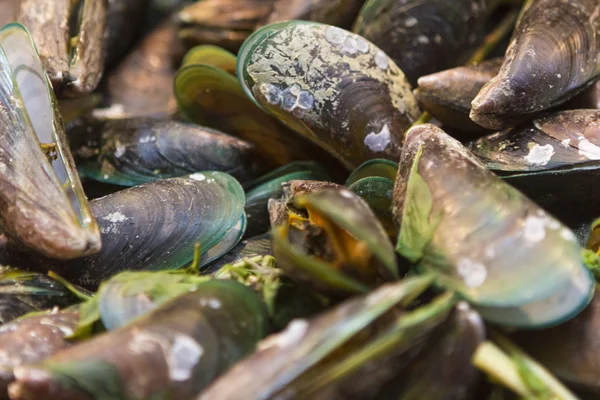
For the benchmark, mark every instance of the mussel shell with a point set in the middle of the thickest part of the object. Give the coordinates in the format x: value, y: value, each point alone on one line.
x: 24, y: 292
x: 570, y: 351
x: 225, y: 23
x: 73, y: 69
x: 247, y: 248
x: 142, y: 84
x: 340, y: 13
x: 423, y: 37
x: 42, y: 204
x: 305, y: 260
x: 504, y: 251
x: 304, y: 344
x: 553, y: 159
x: 132, y: 151
x: 377, y: 193
x: 212, y: 97
x: 156, y: 225
x: 31, y: 339
x: 332, y: 86
x: 374, y: 168
x: 551, y: 58
x: 447, y: 95
x: 181, y: 347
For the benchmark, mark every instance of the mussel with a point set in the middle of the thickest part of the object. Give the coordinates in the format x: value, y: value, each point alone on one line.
x: 42, y: 204
x: 330, y: 85
x: 156, y: 225
x: 131, y: 151
x: 69, y: 35
x: 551, y: 58
x: 327, y: 237
x: 552, y: 159
x: 31, y: 339
x: 423, y: 37
x: 174, y: 351
x: 481, y: 237
x: 447, y: 95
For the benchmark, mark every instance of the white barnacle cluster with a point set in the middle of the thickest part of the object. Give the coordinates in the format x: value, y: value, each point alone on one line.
x: 349, y: 43
x: 292, y: 99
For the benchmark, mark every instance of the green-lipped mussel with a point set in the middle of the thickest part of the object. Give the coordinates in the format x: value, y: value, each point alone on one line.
x: 483, y: 238
x: 138, y: 150
x: 552, y: 159
x: 42, y: 204
x: 330, y: 85
x: 325, y: 236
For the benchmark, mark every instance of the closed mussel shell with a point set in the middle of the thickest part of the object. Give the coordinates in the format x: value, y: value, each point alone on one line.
x: 138, y: 150
x: 175, y: 351
x: 447, y: 95
x: 73, y: 59
x: 31, y: 339
x: 332, y: 86
x: 519, y: 265
x: 156, y: 225
x: 551, y: 58
x: 553, y: 159
x: 423, y: 37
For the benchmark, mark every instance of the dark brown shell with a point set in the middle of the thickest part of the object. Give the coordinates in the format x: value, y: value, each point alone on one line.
x: 552, y: 57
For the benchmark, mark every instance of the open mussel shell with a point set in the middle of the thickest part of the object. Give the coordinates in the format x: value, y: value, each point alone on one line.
x: 483, y: 238
x: 132, y: 151
x: 212, y: 97
x: 570, y: 351
x: 42, y: 204
x: 553, y: 159
x: 332, y: 86
x: 269, y: 186
x: 31, y: 339
x: 447, y: 95
x: 225, y: 23
x: 142, y: 84
x: 551, y: 58
x: 24, y: 292
x: 423, y: 37
x: 340, y: 13
x: 328, y: 238
x: 69, y: 36
x: 174, y: 351
x: 304, y: 360
x: 155, y: 226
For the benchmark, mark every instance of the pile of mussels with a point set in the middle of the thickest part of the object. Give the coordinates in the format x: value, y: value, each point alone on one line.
x: 299, y: 199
